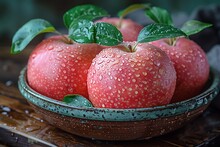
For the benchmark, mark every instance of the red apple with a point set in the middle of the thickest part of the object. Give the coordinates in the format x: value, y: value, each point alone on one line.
x: 128, y: 28
x: 191, y: 66
x: 144, y: 77
x: 56, y: 68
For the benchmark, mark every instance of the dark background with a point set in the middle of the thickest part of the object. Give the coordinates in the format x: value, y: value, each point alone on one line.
x: 14, y: 13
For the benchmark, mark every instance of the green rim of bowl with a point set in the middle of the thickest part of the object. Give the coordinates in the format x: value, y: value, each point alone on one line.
x: 105, y: 114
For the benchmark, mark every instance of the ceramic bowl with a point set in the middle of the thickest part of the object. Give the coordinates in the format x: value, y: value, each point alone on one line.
x: 119, y: 124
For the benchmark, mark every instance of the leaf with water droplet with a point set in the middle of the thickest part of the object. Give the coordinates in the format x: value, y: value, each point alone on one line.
x: 159, y: 15
x: 85, y: 31
x: 77, y: 101
x: 82, y: 31
x: 193, y: 26
x: 89, y: 12
x: 154, y: 32
x: 132, y: 8
x: 27, y: 32
x: 107, y: 34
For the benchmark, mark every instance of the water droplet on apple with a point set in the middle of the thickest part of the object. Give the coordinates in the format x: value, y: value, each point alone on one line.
x: 144, y: 73
x: 59, y: 49
x: 100, y: 61
x: 50, y: 47
x: 157, y: 63
x: 33, y: 56
x: 93, y: 82
x: 100, y: 77
x: 93, y: 62
x: 79, y: 58
x: 132, y: 65
x: 138, y: 64
x: 183, y: 66
x: 137, y: 75
x: 112, y: 60
x: 63, y: 65
x: 60, y: 56
x: 70, y: 89
x: 133, y: 80
x: 103, y: 56
x: 71, y: 55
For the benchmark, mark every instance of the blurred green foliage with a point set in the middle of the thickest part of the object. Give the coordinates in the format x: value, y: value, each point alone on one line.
x: 14, y: 13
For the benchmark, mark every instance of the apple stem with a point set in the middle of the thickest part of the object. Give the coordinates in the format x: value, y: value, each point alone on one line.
x: 134, y: 48
x: 130, y: 48
x: 120, y: 22
x: 172, y: 41
x: 66, y: 39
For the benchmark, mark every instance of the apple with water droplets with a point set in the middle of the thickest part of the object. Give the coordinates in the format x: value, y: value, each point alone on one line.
x: 189, y: 59
x: 127, y: 27
x: 57, y: 68
x: 190, y: 63
x: 130, y: 76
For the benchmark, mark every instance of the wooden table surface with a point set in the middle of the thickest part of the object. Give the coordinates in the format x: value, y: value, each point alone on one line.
x: 21, y: 126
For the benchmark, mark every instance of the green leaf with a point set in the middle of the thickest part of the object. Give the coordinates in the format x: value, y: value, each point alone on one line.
x: 77, y: 101
x: 82, y: 31
x: 89, y: 12
x: 193, y: 26
x: 107, y: 34
x: 159, y: 15
x: 154, y: 32
x: 132, y: 8
x: 27, y: 32
x: 85, y: 31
